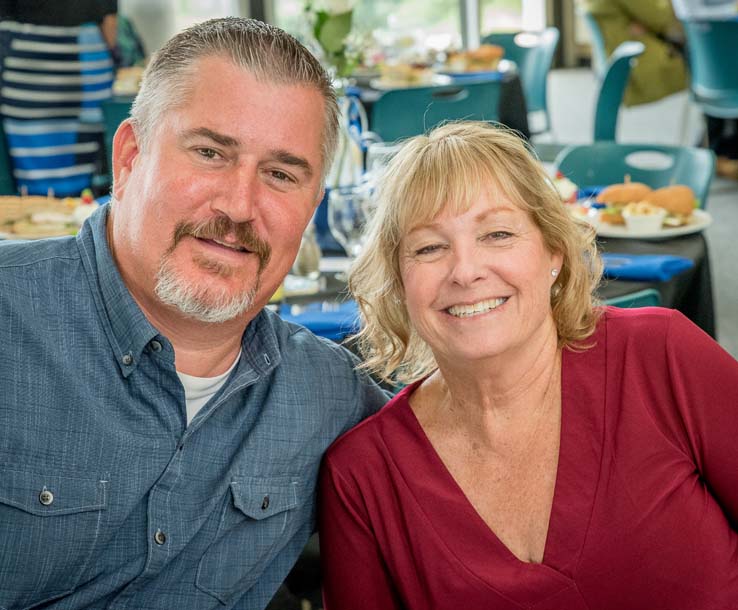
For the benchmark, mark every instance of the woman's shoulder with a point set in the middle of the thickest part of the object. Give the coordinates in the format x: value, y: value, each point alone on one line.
x: 378, y: 435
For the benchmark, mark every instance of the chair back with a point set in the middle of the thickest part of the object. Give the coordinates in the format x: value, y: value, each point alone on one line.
x: 533, y: 52
x: 115, y: 111
x: 713, y: 49
x: 599, y: 52
x: 402, y: 113
x: 7, y: 182
x: 612, y: 88
x: 648, y: 297
x: 604, y: 163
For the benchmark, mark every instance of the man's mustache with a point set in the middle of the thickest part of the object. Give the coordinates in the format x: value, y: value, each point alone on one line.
x: 219, y: 228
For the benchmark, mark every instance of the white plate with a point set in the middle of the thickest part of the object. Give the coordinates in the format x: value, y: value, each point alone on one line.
x: 700, y: 220
x: 434, y: 81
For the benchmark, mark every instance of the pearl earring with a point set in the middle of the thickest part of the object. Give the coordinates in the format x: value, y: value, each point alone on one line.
x: 554, y: 272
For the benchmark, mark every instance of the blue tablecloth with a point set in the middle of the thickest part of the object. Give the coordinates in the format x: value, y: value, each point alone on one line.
x: 644, y: 267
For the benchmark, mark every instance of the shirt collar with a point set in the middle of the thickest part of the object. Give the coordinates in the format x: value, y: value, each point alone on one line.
x: 126, y: 326
x: 128, y: 329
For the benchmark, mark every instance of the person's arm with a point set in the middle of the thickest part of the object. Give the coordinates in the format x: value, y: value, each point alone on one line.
x: 704, y: 382
x: 109, y: 29
x: 355, y: 576
x: 655, y: 15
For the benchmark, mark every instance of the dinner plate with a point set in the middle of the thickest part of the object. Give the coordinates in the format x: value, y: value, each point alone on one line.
x: 461, y: 77
x: 434, y: 81
x: 700, y: 221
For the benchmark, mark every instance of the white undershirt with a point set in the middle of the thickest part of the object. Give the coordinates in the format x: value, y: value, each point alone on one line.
x: 198, y: 390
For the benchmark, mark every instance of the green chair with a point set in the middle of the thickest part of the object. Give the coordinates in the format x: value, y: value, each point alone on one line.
x: 603, y: 163
x: 403, y: 113
x: 115, y: 111
x: 533, y: 53
x: 648, y: 297
x: 713, y: 49
x: 599, y: 52
x: 612, y: 88
x: 7, y: 182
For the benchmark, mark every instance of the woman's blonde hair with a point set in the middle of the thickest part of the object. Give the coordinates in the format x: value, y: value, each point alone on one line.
x: 447, y: 170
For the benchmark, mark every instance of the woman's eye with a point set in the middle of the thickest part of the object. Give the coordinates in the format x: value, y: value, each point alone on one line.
x: 430, y: 249
x: 497, y: 235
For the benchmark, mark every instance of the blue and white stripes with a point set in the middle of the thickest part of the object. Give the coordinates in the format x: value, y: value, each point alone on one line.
x: 53, y: 82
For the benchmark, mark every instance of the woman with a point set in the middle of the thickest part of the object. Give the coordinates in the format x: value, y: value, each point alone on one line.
x: 56, y: 70
x: 547, y: 453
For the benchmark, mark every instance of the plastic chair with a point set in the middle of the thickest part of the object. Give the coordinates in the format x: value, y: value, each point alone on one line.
x: 612, y: 88
x: 648, y: 297
x: 713, y: 47
x: 599, y: 52
x: 402, y: 113
x: 604, y: 163
x: 7, y: 182
x: 533, y: 53
x: 115, y: 111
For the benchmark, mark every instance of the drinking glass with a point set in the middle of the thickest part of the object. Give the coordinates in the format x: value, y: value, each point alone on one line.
x: 348, y: 210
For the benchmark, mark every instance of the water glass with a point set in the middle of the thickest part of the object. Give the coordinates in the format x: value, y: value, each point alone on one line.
x: 349, y: 208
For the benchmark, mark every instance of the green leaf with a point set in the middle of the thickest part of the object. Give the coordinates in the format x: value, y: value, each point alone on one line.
x: 333, y: 30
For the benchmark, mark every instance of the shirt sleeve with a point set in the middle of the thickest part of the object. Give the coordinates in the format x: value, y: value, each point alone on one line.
x: 354, y: 573
x: 704, y: 380
x: 656, y: 15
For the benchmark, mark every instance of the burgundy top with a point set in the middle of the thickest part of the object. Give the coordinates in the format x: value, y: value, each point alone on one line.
x: 645, y: 507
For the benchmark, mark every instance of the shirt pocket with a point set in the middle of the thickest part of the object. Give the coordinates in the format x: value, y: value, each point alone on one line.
x: 49, y: 526
x: 256, y: 521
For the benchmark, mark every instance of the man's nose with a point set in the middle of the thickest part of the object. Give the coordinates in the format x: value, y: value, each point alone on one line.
x: 239, y: 194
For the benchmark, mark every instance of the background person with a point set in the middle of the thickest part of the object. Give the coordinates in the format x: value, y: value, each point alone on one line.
x: 162, y: 431
x: 661, y: 70
x: 547, y: 453
x: 56, y: 70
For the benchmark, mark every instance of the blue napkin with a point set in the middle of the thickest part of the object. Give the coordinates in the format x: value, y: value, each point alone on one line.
x: 644, y: 267
x: 330, y: 320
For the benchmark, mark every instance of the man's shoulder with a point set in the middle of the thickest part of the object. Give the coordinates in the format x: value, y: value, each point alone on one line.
x: 15, y: 254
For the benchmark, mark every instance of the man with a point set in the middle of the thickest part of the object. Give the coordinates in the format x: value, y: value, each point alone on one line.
x: 161, y: 431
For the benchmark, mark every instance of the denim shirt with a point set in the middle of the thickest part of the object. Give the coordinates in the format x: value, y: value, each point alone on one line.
x: 107, y: 498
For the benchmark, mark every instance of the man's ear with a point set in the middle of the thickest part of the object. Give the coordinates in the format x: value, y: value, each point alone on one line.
x: 125, y: 151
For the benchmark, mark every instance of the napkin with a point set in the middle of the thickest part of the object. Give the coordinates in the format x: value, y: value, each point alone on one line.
x: 644, y: 267
x: 330, y: 320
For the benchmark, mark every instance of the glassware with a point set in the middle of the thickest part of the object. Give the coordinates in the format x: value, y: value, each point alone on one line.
x: 349, y: 208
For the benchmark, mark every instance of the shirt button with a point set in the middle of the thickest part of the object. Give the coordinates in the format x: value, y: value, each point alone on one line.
x: 46, y: 497
x: 265, y: 503
x: 160, y: 537
x: 127, y: 359
x: 155, y: 346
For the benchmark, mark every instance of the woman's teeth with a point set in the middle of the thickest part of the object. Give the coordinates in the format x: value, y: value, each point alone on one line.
x: 464, y: 311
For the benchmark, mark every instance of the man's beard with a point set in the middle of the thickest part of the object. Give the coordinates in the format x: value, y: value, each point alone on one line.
x: 209, y: 302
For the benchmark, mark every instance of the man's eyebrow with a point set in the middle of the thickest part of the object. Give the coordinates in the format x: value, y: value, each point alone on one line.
x: 283, y: 156
x: 218, y: 138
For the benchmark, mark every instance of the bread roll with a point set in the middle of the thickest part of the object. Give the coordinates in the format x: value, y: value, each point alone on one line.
x: 628, y: 192
x: 678, y: 199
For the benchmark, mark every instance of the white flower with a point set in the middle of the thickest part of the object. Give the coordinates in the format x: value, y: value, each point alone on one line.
x: 334, y: 7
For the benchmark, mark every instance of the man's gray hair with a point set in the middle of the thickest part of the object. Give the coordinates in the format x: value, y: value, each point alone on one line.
x: 267, y: 52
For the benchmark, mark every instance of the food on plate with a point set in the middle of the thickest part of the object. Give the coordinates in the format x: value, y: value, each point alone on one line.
x: 643, y: 217
x: 678, y: 200
x: 617, y: 196
x: 405, y: 74
x: 566, y: 188
x: 482, y: 59
x: 35, y: 216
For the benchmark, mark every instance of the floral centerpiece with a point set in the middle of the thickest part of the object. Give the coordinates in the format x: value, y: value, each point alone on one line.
x: 331, y: 22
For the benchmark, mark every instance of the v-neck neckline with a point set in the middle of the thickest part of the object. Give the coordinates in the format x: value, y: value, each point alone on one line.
x: 580, y: 452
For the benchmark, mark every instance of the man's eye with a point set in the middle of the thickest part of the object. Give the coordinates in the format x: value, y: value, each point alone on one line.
x: 281, y: 176
x: 208, y: 153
